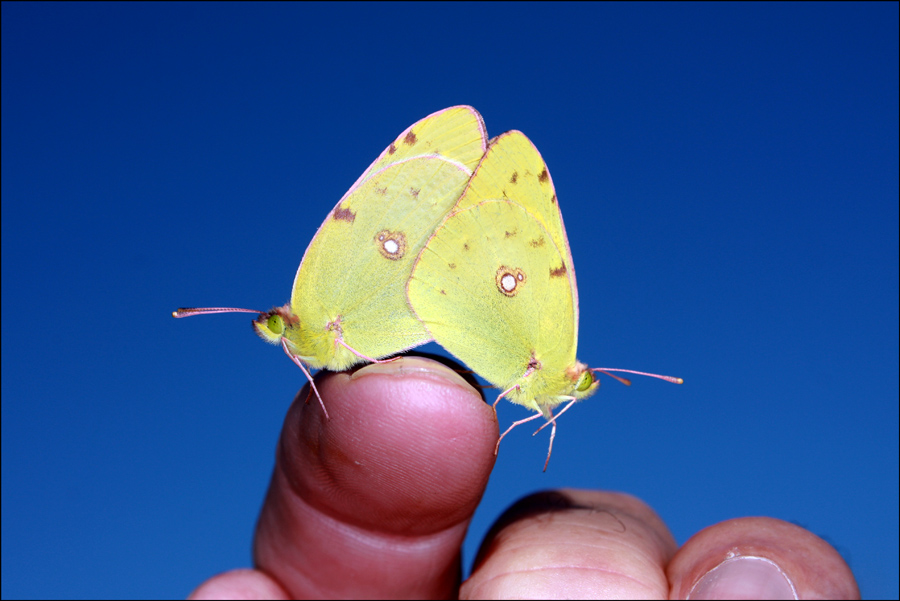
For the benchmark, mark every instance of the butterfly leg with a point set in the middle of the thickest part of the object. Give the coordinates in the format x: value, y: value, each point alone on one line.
x: 552, y: 420
x: 494, y: 407
x: 496, y: 417
x: 503, y: 394
x: 514, y: 424
x: 361, y: 356
x: 550, y: 448
x: 306, y: 373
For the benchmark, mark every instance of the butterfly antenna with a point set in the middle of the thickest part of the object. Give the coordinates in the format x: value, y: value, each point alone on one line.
x: 188, y: 312
x: 606, y: 370
x: 624, y: 381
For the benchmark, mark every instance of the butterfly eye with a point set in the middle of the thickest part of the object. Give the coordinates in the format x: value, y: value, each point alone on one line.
x: 275, y: 323
x: 585, y: 381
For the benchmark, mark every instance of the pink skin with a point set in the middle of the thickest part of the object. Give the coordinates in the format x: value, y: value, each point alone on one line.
x: 375, y: 502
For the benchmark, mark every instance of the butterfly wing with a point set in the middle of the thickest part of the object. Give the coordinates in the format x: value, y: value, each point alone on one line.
x: 456, y: 133
x: 514, y: 169
x: 494, y: 283
x: 350, y: 284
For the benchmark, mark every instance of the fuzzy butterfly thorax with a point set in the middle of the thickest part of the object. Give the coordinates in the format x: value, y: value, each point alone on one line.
x: 542, y: 391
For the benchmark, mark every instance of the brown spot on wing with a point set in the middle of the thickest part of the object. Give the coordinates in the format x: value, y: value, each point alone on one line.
x: 391, y: 245
x: 342, y: 214
x: 414, y: 192
x: 392, y: 149
x: 509, y: 280
x: 544, y: 176
x: 510, y: 234
x: 381, y: 191
x: 410, y: 139
x: 537, y: 242
x: 553, y: 200
x: 558, y: 272
x: 514, y: 177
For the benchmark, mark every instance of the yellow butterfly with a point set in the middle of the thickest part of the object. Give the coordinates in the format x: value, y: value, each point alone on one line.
x: 495, y: 285
x: 348, y: 303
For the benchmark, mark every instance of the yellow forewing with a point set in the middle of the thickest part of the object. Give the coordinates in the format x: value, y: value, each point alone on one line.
x: 350, y: 286
x: 456, y: 133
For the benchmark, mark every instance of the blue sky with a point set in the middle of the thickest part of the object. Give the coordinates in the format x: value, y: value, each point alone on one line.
x: 728, y: 176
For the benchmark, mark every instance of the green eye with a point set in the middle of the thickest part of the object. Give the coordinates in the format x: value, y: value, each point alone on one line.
x: 275, y: 323
x: 270, y: 326
x: 585, y: 381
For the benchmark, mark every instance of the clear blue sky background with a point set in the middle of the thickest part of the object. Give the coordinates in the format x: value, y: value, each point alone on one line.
x: 728, y: 175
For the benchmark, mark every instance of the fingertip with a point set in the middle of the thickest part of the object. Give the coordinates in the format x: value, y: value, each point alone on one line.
x: 759, y: 558
x: 385, y: 487
x: 413, y: 426
x: 239, y: 584
x: 573, y: 544
x: 745, y: 577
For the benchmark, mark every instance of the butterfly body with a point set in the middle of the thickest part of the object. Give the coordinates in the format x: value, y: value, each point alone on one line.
x: 495, y: 285
x: 348, y: 303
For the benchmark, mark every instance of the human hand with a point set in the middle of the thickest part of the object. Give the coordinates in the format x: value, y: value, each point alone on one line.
x: 375, y: 503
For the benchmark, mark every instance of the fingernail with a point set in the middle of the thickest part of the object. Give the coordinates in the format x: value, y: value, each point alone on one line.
x: 744, y: 578
x: 410, y: 365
